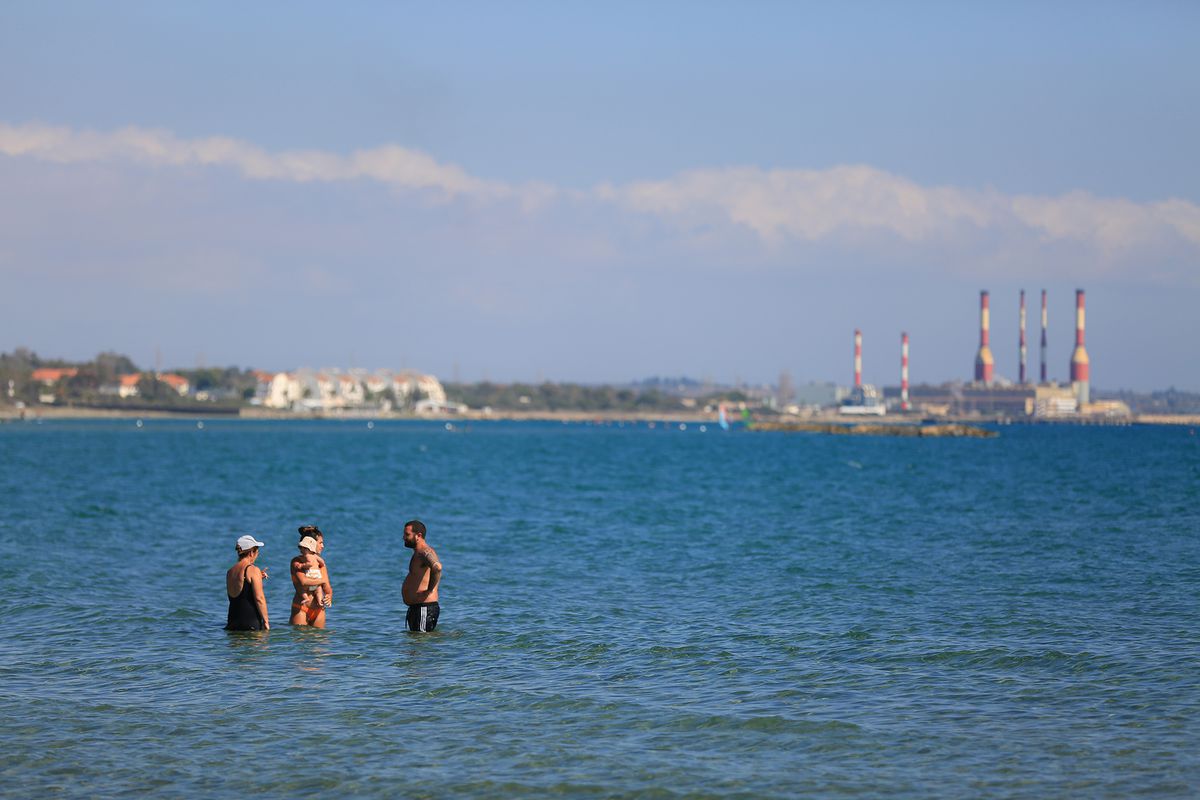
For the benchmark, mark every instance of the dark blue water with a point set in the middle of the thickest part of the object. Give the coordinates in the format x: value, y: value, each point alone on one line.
x: 626, y: 612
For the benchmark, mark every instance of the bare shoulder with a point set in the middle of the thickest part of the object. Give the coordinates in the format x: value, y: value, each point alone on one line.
x: 430, y: 555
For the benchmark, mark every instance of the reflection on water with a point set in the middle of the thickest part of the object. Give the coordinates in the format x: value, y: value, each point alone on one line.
x: 308, y: 648
x: 248, y: 647
x: 312, y: 648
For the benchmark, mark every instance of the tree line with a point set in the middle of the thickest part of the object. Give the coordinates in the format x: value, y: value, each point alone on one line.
x: 232, y: 387
x: 576, y: 397
x: 228, y: 386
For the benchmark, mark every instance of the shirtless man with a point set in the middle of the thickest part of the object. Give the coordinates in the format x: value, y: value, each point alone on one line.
x: 420, y: 591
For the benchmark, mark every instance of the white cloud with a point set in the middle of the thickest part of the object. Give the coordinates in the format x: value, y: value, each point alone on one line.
x: 779, y: 206
x: 1111, y: 224
x: 393, y: 165
x: 811, y: 205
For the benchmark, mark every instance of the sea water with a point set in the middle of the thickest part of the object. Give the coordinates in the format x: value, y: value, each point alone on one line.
x: 627, y: 611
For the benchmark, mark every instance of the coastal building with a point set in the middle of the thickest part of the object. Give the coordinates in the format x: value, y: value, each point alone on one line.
x: 279, y: 390
x: 925, y: 398
x: 815, y: 394
x: 177, y: 382
x: 262, y: 387
x: 1107, y: 409
x: 349, y: 392
x: 432, y: 388
x: 1052, y: 401
x: 127, y: 385
x: 375, y: 384
x: 48, y: 376
x: 332, y: 390
x: 322, y: 391
x: 430, y: 407
x: 1001, y: 400
x: 863, y: 400
x: 1047, y: 401
x: 411, y: 387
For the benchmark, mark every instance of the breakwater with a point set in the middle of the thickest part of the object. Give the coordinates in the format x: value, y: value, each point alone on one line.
x: 946, y: 430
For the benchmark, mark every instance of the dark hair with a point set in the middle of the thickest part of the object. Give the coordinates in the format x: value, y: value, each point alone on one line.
x: 242, y: 552
x: 310, y: 530
x: 417, y: 526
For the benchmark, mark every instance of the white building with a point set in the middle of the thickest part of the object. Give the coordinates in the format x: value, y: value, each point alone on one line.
x: 348, y: 392
x: 332, y: 389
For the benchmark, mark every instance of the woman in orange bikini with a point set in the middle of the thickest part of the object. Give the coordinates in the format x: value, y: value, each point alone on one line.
x: 311, y: 579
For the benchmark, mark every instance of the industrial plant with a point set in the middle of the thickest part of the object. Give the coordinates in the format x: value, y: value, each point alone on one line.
x: 986, y: 395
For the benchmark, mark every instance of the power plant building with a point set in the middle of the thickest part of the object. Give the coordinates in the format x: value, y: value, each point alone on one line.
x: 1042, y: 402
x: 988, y: 395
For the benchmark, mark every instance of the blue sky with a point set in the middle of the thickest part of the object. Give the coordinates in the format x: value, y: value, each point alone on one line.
x: 601, y: 192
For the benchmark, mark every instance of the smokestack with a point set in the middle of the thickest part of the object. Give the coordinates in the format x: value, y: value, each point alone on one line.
x: 1022, y: 347
x: 983, y: 359
x: 1079, y: 358
x: 857, y: 358
x: 904, y: 372
x: 1043, y: 335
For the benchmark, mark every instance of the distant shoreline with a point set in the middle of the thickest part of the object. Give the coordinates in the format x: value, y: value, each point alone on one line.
x: 9, y: 413
x: 57, y: 412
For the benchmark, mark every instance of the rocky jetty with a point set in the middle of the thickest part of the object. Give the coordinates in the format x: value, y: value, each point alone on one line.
x: 946, y: 430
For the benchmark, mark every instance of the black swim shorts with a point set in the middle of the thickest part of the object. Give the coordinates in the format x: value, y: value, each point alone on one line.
x: 423, y: 618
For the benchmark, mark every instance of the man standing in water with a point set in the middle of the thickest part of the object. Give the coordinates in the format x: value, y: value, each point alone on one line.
x: 420, y: 590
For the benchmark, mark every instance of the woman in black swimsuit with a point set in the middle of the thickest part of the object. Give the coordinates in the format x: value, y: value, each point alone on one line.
x: 244, y: 585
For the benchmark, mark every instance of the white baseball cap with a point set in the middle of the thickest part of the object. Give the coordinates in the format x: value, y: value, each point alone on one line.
x: 246, y: 542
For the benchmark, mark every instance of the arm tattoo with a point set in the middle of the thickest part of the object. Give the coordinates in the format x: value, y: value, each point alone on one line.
x: 431, y: 558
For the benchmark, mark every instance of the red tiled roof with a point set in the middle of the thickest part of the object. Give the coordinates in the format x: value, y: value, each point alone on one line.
x: 53, y: 374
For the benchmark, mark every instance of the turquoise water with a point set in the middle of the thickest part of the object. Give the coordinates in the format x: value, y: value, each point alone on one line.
x: 627, y: 611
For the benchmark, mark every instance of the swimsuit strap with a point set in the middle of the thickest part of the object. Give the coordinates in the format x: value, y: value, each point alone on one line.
x: 239, y: 594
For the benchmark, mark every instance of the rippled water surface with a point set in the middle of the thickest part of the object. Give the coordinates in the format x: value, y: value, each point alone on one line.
x: 626, y: 611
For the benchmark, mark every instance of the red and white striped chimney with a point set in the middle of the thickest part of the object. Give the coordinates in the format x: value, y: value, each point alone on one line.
x: 1023, y: 351
x: 857, y: 358
x: 984, y: 363
x: 1043, y: 335
x: 1080, y: 367
x: 904, y: 372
